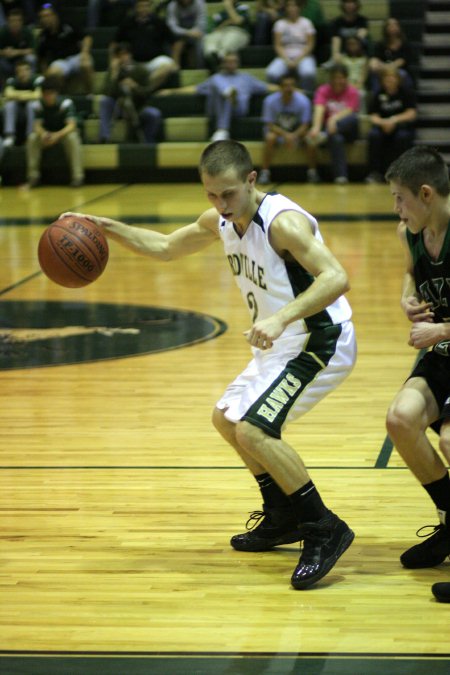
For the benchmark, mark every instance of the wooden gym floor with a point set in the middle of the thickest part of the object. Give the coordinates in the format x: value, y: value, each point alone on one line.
x: 118, y: 498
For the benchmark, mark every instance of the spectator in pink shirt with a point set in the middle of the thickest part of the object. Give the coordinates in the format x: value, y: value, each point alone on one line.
x: 335, y: 122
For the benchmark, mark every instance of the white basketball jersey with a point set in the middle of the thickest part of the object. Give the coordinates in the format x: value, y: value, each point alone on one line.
x: 266, y: 281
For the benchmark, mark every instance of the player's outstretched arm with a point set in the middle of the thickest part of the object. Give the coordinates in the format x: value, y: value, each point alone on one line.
x: 178, y: 244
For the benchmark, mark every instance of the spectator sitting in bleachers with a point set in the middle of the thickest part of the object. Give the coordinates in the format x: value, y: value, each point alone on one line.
x: 187, y: 21
x: 18, y: 112
x: 393, y: 113
x: 266, y: 14
x: 230, y: 32
x: 16, y: 43
x: 393, y: 49
x: 126, y: 93
x: 55, y: 122
x: 294, y: 41
x: 313, y: 10
x: 349, y: 22
x: 107, y: 12
x: 27, y: 7
x: 355, y: 59
x: 286, y: 115
x: 228, y: 93
x: 335, y: 122
x: 62, y: 50
x: 150, y: 41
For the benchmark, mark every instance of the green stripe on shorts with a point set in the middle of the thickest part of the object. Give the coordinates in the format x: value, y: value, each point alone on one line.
x: 269, y: 412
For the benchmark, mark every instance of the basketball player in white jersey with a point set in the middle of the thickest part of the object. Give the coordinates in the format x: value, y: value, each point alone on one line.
x: 301, y: 336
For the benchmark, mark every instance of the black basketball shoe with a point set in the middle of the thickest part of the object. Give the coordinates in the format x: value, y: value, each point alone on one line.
x: 266, y: 529
x: 441, y: 591
x: 324, y: 542
x: 431, y: 552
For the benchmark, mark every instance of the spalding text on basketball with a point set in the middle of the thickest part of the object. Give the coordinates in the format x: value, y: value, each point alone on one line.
x: 76, y: 225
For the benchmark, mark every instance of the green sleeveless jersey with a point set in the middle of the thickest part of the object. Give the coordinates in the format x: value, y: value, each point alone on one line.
x: 432, y: 279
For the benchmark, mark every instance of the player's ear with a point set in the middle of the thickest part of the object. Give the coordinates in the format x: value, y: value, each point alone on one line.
x: 426, y: 192
x: 251, y: 178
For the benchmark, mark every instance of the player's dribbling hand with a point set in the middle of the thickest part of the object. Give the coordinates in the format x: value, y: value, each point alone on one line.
x: 75, y: 214
x: 94, y: 219
x: 418, y: 310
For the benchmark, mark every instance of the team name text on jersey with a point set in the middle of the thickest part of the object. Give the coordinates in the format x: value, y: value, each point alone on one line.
x: 240, y: 264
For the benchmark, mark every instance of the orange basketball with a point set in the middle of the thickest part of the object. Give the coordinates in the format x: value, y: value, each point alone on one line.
x: 73, y: 252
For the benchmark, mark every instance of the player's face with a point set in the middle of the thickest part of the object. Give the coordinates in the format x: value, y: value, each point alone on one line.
x: 229, y: 195
x: 412, y: 210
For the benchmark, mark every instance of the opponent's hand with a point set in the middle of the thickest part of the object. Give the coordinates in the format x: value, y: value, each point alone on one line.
x: 418, y: 310
x: 424, y: 334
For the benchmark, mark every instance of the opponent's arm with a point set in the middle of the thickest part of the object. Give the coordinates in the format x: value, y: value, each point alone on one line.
x: 425, y: 334
x: 411, y: 302
x: 292, y: 237
x: 179, y: 243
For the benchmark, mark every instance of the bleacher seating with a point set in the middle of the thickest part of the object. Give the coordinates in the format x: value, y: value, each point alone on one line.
x: 186, y: 129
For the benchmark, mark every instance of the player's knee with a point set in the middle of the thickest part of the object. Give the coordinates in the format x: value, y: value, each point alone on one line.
x: 398, y: 421
x: 218, y: 419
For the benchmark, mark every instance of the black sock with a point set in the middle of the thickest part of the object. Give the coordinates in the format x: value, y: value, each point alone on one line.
x: 307, y: 504
x: 273, y: 496
x: 439, y: 491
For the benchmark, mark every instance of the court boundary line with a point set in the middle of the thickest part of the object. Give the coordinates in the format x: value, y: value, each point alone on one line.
x: 12, y: 287
x: 182, y: 468
x: 207, y: 654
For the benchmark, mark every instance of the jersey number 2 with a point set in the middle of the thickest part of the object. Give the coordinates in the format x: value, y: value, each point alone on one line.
x: 253, y: 306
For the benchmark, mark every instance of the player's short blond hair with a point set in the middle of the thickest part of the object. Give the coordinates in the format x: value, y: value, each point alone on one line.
x: 220, y: 156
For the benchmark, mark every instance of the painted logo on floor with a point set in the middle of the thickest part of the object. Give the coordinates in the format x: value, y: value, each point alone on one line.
x: 34, y: 334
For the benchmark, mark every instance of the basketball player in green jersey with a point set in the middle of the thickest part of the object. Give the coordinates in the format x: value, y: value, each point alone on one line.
x: 419, y: 182
x: 302, y: 341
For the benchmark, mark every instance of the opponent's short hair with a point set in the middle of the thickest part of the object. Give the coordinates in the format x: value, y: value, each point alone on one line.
x: 420, y: 165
